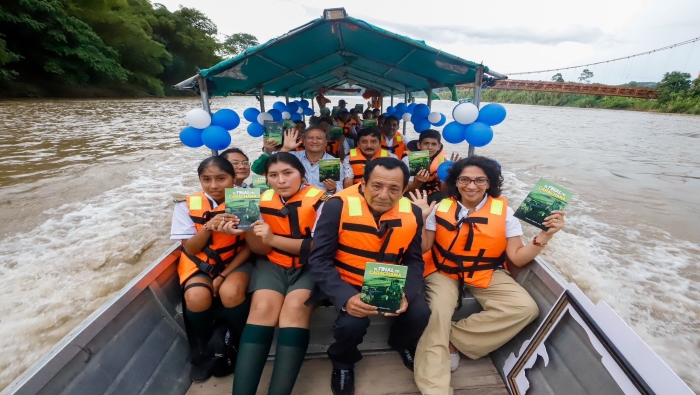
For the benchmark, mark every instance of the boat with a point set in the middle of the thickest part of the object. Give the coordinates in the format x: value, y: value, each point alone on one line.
x: 136, y: 343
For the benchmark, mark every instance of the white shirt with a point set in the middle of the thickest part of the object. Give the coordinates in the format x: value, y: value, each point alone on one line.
x: 312, y: 170
x: 347, y: 169
x: 182, y: 227
x: 405, y: 162
x: 513, y: 227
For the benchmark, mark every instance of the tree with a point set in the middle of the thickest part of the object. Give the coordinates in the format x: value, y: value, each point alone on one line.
x: 237, y: 43
x: 585, y: 76
x: 673, y: 84
x: 557, y: 78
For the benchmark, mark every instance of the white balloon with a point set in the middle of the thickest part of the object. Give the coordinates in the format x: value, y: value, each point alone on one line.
x: 465, y: 113
x: 198, y: 118
x: 286, y: 115
x: 406, y: 117
x: 300, y: 110
x: 263, y: 116
x: 434, y: 117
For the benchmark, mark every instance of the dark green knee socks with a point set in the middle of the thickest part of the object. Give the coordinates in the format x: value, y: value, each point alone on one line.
x: 252, y: 354
x: 291, y: 348
x: 235, y: 317
x: 200, y: 324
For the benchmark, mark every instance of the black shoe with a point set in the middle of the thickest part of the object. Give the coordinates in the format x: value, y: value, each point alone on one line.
x: 343, y: 382
x: 407, y: 358
x: 199, y: 374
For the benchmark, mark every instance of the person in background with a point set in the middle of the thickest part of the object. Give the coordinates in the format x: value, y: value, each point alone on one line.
x: 380, y: 121
x: 466, y: 239
x: 280, y: 281
x: 334, y: 148
x: 313, y: 120
x: 427, y: 180
x: 349, y: 129
x: 369, y: 147
x: 241, y: 164
x: 376, y: 113
x: 370, y: 221
x: 212, y: 264
x: 392, y: 140
x: 367, y: 114
x: 315, y: 149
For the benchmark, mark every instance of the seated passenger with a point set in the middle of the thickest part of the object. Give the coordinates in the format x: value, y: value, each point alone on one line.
x: 349, y: 126
x: 392, y: 140
x: 334, y: 148
x: 380, y: 121
x: 466, y: 240
x: 313, y: 120
x: 368, y: 148
x: 367, y: 114
x: 241, y: 165
x: 315, y: 144
x: 280, y: 281
x: 376, y: 113
x: 212, y: 264
x: 427, y: 179
x: 370, y: 221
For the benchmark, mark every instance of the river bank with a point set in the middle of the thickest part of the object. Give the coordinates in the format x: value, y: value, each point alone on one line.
x: 56, y: 90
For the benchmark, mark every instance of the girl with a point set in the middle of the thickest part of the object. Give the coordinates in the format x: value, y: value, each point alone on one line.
x: 241, y: 165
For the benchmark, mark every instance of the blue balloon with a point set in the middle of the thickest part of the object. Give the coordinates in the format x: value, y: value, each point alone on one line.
x: 402, y: 107
x: 216, y: 137
x: 255, y: 129
x: 421, y: 111
x: 292, y: 108
x: 443, y: 169
x: 421, y: 125
x: 304, y: 104
x: 191, y: 137
x: 227, y: 119
x: 308, y: 112
x: 492, y: 114
x: 279, y: 106
x: 390, y: 110
x: 296, y: 116
x: 276, y: 114
x: 453, y: 132
x: 442, y: 120
x: 478, y: 134
x: 251, y: 114
x: 411, y: 107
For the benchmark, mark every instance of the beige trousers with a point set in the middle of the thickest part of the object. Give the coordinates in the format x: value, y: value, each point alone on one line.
x: 508, y: 308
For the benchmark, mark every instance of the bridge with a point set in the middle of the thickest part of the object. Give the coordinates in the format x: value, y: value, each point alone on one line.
x: 575, y: 88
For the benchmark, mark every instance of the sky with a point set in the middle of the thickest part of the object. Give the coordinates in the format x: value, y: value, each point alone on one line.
x: 509, y: 36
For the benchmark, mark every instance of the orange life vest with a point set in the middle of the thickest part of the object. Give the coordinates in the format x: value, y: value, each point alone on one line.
x: 471, y: 249
x: 360, y: 240
x: 220, y: 248
x: 433, y: 184
x: 397, y: 148
x: 332, y: 148
x: 293, y: 219
x: 358, y: 162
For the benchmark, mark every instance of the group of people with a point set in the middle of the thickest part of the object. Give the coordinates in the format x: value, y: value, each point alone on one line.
x: 315, y: 237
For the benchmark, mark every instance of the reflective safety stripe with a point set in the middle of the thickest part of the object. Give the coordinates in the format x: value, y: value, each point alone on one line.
x: 195, y: 203
x: 445, y: 205
x: 267, y: 195
x: 312, y: 192
x: 353, y: 152
x: 496, y: 207
x: 404, y: 205
x: 441, y: 159
x: 383, y: 153
x: 355, y: 206
x: 399, y: 138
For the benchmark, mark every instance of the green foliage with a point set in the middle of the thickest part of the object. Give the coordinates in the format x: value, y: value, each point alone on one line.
x: 673, y: 86
x: 237, y: 43
x: 585, y: 76
x: 557, y: 78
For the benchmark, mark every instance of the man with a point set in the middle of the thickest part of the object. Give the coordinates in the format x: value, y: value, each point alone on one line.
x: 369, y: 221
x: 349, y: 126
x: 392, y: 140
x: 368, y: 148
x: 315, y: 140
x: 376, y: 113
x: 427, y: 179
x: 335, y: 148
x: 341, y: 106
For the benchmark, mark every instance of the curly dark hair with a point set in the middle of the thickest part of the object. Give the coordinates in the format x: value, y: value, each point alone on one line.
x: 489, y: 166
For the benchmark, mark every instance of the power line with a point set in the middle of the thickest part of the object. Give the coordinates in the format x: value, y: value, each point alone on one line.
x: 611, y: 60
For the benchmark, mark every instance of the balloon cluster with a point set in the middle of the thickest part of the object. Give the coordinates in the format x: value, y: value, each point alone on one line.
x: 418, y: 114
x: 210, y: 130
x: 279, y: 111
x: 472, y: 124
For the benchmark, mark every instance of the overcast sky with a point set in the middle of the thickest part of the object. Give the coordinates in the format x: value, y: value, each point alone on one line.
x: 512, y: 37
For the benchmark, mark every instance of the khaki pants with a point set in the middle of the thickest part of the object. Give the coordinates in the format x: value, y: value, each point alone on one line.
x: 508, y: 308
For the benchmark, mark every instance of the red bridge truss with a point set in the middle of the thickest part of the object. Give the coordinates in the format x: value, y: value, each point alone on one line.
x: 576, y: 88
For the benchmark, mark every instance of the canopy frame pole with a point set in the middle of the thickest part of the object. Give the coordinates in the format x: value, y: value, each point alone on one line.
x: 477, y: 96
x: 204, y: 93
x: 392, y: 97
x: 261, y: 98
x: 405, y: 99
x: 430, y: 97
x: 313, y: 105
x: 286, y: 96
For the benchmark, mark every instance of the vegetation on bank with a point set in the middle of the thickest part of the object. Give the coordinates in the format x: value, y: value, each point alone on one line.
x: 124, y: 47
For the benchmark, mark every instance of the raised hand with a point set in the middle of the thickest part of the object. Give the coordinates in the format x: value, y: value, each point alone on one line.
x: 290, y: 140
x: 420, y: 199
x: 454, y: 157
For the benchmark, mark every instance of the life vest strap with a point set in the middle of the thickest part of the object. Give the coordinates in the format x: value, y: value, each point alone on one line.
x: 273, y: 212
x: 346, y: 267
x: 210, y: 269
x: 206, y: 216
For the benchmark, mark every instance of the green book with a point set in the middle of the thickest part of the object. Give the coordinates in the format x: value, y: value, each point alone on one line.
x: 369, y: 123
x: 544, y: 198
x: 260, y: 182
x: 360, y: 108
x: 383, y: 286
x: 244, y: 203
x: 329, y: 169
x: 286, y: 125
x: 417, y: 161
x: 336, y: 133
x: 273, y: 131
x: 335, y: 111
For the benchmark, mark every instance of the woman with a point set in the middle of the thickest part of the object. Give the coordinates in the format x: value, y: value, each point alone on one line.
x: 241, y: 164
x: 465, y: 240
x: 280, y: 282
x: 212, y: 264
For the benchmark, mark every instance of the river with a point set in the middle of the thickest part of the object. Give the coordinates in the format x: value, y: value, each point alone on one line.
x: 86, y: 189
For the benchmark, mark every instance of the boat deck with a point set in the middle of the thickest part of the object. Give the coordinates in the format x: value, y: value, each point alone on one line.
x: 376, y: 375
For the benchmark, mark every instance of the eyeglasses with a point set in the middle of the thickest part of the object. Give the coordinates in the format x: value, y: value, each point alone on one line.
x: 480, y: 182
x: 237, y: 163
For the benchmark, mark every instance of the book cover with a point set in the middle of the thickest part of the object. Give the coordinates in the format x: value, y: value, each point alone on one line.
x: 369, y: 123
x: 336, y: 133
x: 541, y: 201
x: 273, y: 131
x: 329, y: 169
x: 417, y: 161
x: 360, y: 108
x: 383, y: 286
x: 288, y: 124
x: 261, y: 183
x: 244, y: 203
x: 335, y: 111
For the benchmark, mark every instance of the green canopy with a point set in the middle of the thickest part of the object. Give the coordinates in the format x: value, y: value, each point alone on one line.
x: 335, y: 50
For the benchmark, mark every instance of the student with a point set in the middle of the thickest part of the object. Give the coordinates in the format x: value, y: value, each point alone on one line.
x: 474, y: 226
x: 241, y: 165
x: 333, y: 148
x: 316, y: 141
x: 349, y: 126
x: 367, y: 114
x: 280, y: 281
x: 376, y: 113
x: 368, y: 148
x: 392, y: 140
x: 427, y: 179
x: 370, y: 221
x: 380, y: 121
x: 212, y: 264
